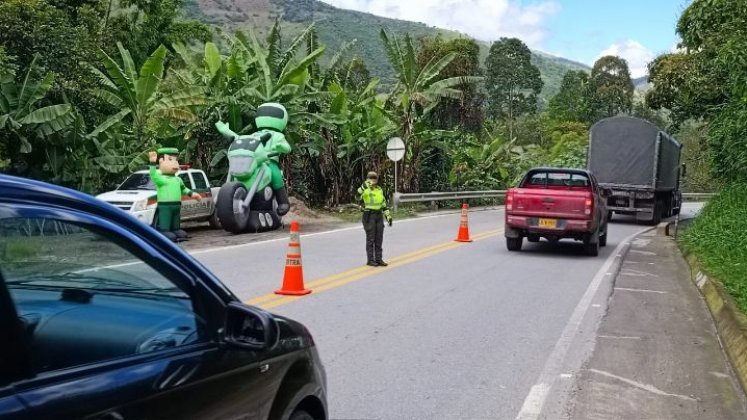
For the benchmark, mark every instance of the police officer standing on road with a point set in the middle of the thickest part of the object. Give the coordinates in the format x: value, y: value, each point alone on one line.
x: 374, y: 213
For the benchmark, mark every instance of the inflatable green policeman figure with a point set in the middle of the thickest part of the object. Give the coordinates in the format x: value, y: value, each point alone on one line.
x: 169, y: 191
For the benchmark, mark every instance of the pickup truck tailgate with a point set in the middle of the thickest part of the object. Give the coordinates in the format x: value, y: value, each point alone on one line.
x: 552, y: 203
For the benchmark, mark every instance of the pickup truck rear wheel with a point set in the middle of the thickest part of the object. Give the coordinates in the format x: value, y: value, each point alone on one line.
x: 603, y: 235
x: 514, y: 244
x: 592, y: 248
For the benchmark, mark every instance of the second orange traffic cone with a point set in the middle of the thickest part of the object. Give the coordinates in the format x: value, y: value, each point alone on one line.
x: 463, y: 234
x: 293, y: 276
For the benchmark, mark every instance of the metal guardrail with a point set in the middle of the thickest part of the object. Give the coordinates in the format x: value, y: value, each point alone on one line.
x: 400, y: 198
x: 698, y: 196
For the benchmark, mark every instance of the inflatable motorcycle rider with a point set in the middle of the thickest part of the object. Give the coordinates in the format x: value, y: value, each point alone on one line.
x: 265, y: 146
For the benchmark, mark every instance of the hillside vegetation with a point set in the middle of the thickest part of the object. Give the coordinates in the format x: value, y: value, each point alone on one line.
x: 336, y: 26
x: 137, y: 75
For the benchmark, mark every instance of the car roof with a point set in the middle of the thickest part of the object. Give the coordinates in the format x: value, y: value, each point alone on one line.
x: 579, y: 171
x: 181, y: 171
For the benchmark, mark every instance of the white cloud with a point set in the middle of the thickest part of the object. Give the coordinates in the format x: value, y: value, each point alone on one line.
x: 483, y: 19
x: 634, y: 53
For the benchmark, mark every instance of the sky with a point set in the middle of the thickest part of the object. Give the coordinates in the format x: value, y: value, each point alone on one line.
x: 580, y: 30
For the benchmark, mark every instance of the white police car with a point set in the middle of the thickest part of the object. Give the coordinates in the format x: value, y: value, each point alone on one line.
x: 137, y: 195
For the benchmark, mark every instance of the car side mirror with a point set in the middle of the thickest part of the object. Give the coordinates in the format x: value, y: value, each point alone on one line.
x: 250, y: 328
x: 684, y: 170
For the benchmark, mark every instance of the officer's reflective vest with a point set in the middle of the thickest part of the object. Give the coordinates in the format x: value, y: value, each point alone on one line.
x: 373, y: 198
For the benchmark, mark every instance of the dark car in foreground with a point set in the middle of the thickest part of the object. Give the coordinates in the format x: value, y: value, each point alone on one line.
x: 557, y: 203
x: 103, y: 318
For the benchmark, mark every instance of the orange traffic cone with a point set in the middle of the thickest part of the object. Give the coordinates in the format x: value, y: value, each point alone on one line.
x: 293, y: 277
x: 463, y: 234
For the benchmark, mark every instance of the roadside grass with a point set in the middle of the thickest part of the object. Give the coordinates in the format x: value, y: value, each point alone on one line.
x: 718, y: 238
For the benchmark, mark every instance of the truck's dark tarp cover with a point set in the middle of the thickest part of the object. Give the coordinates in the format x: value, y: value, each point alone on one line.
x: 622, y: 151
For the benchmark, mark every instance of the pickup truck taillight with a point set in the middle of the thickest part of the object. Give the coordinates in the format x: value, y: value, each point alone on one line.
x: 510, y: 200
x: 588, y: 205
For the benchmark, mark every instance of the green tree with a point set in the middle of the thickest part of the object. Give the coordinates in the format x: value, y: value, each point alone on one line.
x: 8, y: 67
x: 354, y: 75
x: 59, y: 39
x: 143, y: 25
x: 465, y: 113
x: 612, y: 88
x: 657, y: 117
x: 418, y: 91
x: 714, y: 34
x: 572, y: 102
x: 680, y: 85
x: 695, y: 153
x: 512, y: 81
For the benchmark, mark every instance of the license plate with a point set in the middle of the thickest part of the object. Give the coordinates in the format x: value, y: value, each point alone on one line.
x: 548, y: 223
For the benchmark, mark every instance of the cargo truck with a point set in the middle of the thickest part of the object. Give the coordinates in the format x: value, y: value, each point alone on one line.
x: 640, y: 165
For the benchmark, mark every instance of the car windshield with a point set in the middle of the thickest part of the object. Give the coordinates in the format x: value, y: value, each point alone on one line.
x: 45, y: 253
x: 138, y: 181
x: 557, y: 179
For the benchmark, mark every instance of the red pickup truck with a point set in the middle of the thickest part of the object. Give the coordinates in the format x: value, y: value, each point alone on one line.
x: 555, y: 204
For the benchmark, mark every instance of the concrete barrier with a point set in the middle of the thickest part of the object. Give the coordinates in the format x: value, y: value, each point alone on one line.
x: 731, y: 323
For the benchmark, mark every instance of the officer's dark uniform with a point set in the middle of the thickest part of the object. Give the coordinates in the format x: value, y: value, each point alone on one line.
x: 374, y: 213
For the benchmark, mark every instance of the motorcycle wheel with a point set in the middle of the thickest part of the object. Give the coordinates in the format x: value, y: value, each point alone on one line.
x: 232, y: 216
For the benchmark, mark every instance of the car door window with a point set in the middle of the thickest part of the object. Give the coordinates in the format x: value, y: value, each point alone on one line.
x: 201, y: 183
x: 187, y: 180
x: 84, y: 298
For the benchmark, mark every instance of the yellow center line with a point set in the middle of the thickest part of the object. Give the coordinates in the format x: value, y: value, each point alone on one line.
x: 340, y: 279
x: 357, y: 270
x: 367, y: 269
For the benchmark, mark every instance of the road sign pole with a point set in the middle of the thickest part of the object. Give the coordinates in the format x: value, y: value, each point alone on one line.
x: 395, y: 185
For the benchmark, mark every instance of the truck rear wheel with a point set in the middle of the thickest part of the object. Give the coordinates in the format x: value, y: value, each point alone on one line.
x: 658, y: 210
x: 231, y: 215
x: 514, y: 244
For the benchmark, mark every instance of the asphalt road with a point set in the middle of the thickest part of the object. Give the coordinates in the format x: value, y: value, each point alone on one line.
x: 449, y: 330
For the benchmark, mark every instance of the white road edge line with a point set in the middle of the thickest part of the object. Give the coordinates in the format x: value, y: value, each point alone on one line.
x: 328, y: 232
x: 535, y: 400
x: 627, y: 289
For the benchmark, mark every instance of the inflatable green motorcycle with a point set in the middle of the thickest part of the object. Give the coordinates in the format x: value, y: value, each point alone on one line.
x: 254, y: 197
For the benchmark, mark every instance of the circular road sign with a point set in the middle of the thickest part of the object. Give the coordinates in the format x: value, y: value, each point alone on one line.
x: 395, y: 149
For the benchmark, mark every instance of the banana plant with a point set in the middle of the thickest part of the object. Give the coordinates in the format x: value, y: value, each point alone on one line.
x: 417, y: 92
x: 20, y: 114
x: 139, y: 101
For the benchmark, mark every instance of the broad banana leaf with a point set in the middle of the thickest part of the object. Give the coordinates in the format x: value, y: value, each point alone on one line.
x: 151, y: 74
